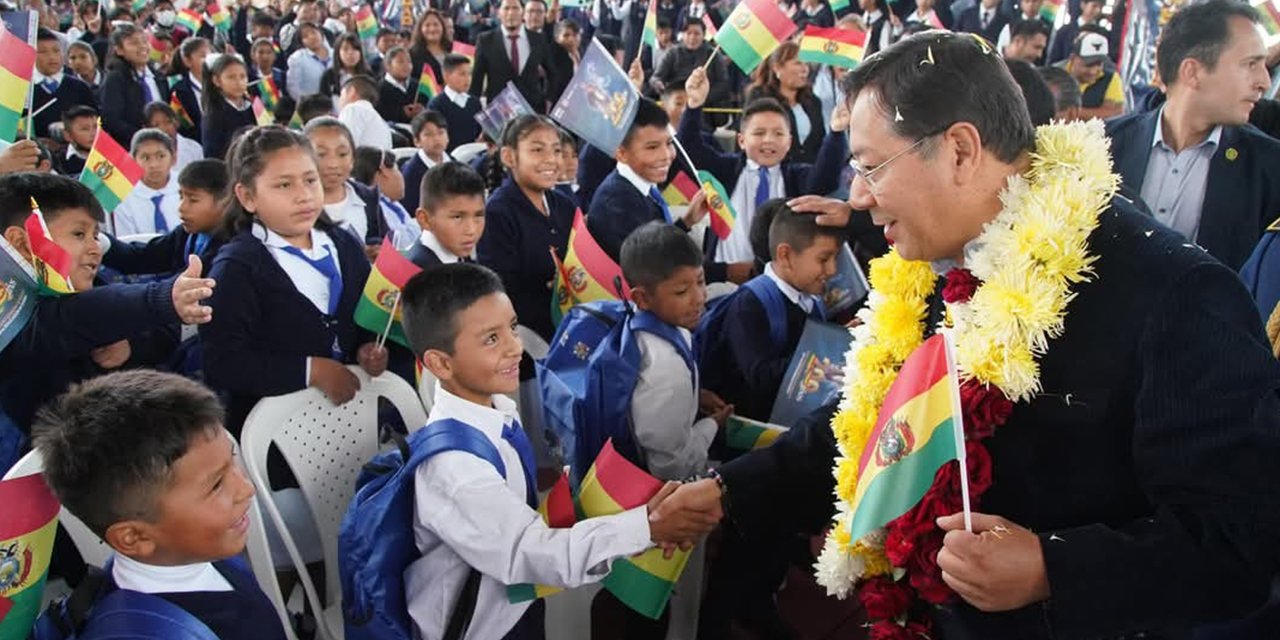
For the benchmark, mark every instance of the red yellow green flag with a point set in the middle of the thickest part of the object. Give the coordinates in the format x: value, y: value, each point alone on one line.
x: 52, y: 263
x: 158, y: 49
x: 110, y: 172
x: 26, y: 545
x: 559, y: 512
x: 722, y: 214
x: 382, y: 294
x: 1270, y: 17
x: 745, y: 434
x: 269, y: 92
x: 184, y: 119
x: 839, y: 47
x: 218, y: 15
x: 17, y: 60
x: 681, y: 190
x: 295, y: 122
x: 462, y: 48
x: 710, y: 26
x: 650, y: 35
x: 588, y: 274
x: 914, y: 435
x: 752, y: 32
x: 261, y: 114
x: 1049, y: 10
x: 189, y: 20
x: 366, y: 24
x: 613, y: 485
x: 428, y: 86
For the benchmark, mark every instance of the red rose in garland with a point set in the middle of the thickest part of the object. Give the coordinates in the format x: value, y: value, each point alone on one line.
x: 884, y: 599
x: 960, y: 286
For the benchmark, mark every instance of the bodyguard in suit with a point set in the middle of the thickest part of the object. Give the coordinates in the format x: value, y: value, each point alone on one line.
x: 509, y: 53
x: 1112, y: 509
x: 49, y: 82
x: 986, y: 20
x: 1199, y: 167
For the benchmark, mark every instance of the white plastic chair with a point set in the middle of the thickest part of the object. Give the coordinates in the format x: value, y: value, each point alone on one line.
x: 404, y: 152
x: 325, y: 446
x: 465, y: 153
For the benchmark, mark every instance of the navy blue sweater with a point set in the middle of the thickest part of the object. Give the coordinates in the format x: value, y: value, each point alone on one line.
x: 164, y: 254
x: 463, y: 127
x: 186, y: 93
x: 71, y: 92
x: 220, y: 125
x: 413, y: 170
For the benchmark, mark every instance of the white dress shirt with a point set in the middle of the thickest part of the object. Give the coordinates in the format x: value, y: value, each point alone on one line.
x: 629, y: 174
x: 152, y: 89
x: 312, y: 284
x: 430, y: 241
x: 188, y: 151
x: 664, y: 407
x: 305, y: 69
x: 466, y: 515
x: 456, y: 97
x: 149, y: 578
x: 402, y: 86
x: 522, y: 43
x: 797, y: 297
x: 349, y: 214
x: 737, y: 247
x: 137, y: 213
x: 38, y: 78
x: 367, y: 127
x: 426, y: 159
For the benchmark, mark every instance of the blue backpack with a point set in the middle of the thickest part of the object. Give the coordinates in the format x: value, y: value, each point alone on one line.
x: 376, y: 543
x: 588, y: 377
x: 711, y: 326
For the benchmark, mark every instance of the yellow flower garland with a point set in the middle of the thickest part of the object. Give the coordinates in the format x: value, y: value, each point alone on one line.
x: 1027, y: 260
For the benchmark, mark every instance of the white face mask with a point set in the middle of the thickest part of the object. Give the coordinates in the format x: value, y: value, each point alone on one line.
x: 165, y: 18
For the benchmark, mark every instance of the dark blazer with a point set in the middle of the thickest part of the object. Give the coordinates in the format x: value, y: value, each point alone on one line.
x: 72, y: 91
x: 413, y: 170
x: 186, y: 93
x: 392, y: 101
x: 423, y: 257
x: 418, y: 58
x: 163, y: 254
x: 801, y: 150
x: 1156, y: 532
x: 516, y: 244
x: 121, y: 99
x: 462, y: 124
x: 72, y: 166
x: 264, y: 329
x: 1242, y: 195
x: 220, y: 126
x: 970, y: 21
x: 491, y: 70
x: 823, y: 18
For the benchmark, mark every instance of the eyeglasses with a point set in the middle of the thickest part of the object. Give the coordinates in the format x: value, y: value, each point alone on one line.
x: 866, y: 174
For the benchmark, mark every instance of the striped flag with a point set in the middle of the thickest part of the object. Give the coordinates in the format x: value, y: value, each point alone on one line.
x: 916, y: 432
x: 650, y: 35
x: 559, y: 512
x: 17, y: 60
x: 745, y: 434
x: 26, y: 535
x: 710, y: 26
x: 219, y: 16
x: 269, y: 92
x: 588, y: 274
x: 184, y: 118
x: 837, y: 47
x: 1269, y: 17
x: 681, y: 190
x: 838, y: 5
x: 158, y: 48
x: 110, y: 172
x: 295, y: 122
x: 753, y: 30
x: 1049, y: 10
x: 366, y: 24
x: 382, y: 293
x: 464, y: 49
x: 52, y: 263
x: 428, y: 86
x: 718, y: 207
x: 260, y: 113
x: 614, y: 485
x: 189, y: 20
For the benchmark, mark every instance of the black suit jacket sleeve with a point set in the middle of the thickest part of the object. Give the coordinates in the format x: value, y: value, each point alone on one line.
x: 1207, y: 467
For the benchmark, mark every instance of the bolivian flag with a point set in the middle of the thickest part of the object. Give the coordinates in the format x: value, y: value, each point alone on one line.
x: 464, y: 49
x: 838, y: 47
x: 752, y: 32
x: 17, y: 59
x: 218, y: 15
x: 260, y: 113
x: 109, y: 172
x: 1270, y: 17
x: 915, y: 434
x: 158, y: 49
x: 295, y: 122
x: 428, y: 86
x: 1049, y: 10
x: 189, y: 20
x: 366, y: 24
x: 722, y: 214
x: 26, y: 545
x: 559, y: 512
x: 650, y: 35
x: 681, y: 190
x: 269, y: 93
x: 52, y: 263
x: 745, y: 434
x: 588, y: 273
x: 382, y: 293
x: 184, y: 119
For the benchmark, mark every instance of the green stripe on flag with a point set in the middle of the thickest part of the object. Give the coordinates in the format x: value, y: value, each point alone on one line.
x: 738, y: 49
x: 646, y: 593
x: 818, y: 57
x: 517, y: 593
x: 898, y: 488
x: 9, y: 120
x: 101, y: 191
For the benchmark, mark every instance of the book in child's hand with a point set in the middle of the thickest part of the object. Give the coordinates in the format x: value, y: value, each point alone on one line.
x: 745, y: 434
x: 813, y: 377
x: 847, y: 286
x: 18, y: 290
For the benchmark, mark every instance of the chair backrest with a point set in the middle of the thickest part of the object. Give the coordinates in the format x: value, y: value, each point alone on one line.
x: 93, y: 549
x: 534, y: 345
x: 325, y: 446
x: 465, y: 153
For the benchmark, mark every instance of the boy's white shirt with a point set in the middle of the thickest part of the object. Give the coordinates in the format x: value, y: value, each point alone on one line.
x: 797, y: 297
x: 737, y: 247
x: 431, y: 242
x: 149, y: 578
x: 367, y: 127
x: 349, y: 214
x: 466, y: 515
x: 664, y: 407
x: 188, y: 151
x: 137, y: 214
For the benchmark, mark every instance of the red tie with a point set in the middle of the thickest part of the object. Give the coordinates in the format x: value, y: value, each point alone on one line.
x: 515, y: 54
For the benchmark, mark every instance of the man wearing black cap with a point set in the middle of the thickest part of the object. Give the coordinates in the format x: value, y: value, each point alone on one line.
x: 1101, y: 92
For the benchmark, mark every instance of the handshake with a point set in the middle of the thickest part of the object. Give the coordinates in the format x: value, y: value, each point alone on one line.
x: 680, y: 514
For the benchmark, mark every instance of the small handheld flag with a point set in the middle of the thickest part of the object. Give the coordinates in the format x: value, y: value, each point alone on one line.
x: 681, y: 190
x: 838, y: 47
x: 110, y: 172
x: 464, y: 49
x: 1049, y: 10
x: 745, y: 434
x: 269, y: 92
x: 261, y: 114
x: 189, y: 20
x: 158, y: 49
x: 723, y: 216
x: 650, y: 35
x: 428, y: 86
x: 589, y: 273
x: 753, y: 30
x: 1269, y: 17
x: 52, y: 263
x: 366, y: 24
x: 184, y: 119
x: 379, y: 308
x: 710, y: 26
x: 26, y: 534
x: 17, y: 61
x: 219, y: 16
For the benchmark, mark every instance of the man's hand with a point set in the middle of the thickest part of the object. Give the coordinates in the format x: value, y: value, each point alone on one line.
x: 20, y: 156
x: 999, y: 567
x: 697, y: 209
x: 112, y: 356
x: 832, y: 212
x: 696, y: 89
x: 334, y: 379
x: 636, y: 74
x: 685, y: 513
x: 372, y: 358
x: 739, y: 272
x: 188, y: 290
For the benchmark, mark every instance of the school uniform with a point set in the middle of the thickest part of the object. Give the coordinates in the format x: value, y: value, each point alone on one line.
x: 359, y: 213
x: 748, y: 186
x: 221, y: 125
x: 413, y: 170
x: 459, y: 111
x: 68, y: 91
x: 467, y: 516
x: 664, y: 406
x: 276, y: 310
x: 190, y: 94
x: 427, y: 252
x: 72, y: 162
x: 401, y: 223
x: 223, y: 595
x: 148, y: 210
x: 393, y: 97
x: 367, y: 127
x: 188, y: 151
x: 124, y: 93
x: 331, y: 81
x: 748, y: 369
x: 516, y: 243
x: 305, y: 70
x: 820, y: 16
x: 165, y: 254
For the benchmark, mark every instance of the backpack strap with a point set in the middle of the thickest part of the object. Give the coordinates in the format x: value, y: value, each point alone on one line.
x: 132, y: 614
x: 775, y: 308
x: 646, y: 321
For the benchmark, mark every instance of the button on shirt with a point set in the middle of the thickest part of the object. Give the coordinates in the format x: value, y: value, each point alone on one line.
x: 1174, y: 185
x: 467, y: 515
x: 737, y: 247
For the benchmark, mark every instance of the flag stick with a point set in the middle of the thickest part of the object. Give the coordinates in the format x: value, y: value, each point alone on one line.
x: 683, y: 153
x: 710, y: 58
x: 957, y: 420
x: 43, y: 107
x: 382, y: 339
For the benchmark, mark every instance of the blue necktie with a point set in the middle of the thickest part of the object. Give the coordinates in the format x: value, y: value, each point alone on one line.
x: 49, y: 86
x: 818, y: 310
x: 762, y: 188
x: 515, y: 436
x: 196, y: 243
x: 327, y: 268
x: 162, y: 225
x: 657, y: 197
x: 146, y: 88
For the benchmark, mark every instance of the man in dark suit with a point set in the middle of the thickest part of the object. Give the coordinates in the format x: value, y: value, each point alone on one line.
x: 985, y: 20
x: 1111, y: 509
x: 511, y: 53
x: 1199, y: 167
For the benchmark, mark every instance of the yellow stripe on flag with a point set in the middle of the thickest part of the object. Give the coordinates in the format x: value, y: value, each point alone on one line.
x: 922, y: 415
x: 13, y: 91
x: 593, y: 498
x: 653, y: 562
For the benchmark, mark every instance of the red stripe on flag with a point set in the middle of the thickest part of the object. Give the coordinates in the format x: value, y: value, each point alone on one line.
x: 117, y: 156
x: 847, y: 36
x: 44, y: 248
x: 1271, y: 9
x: 393, y: 266
x: 29, y: 505
x: 16, y: 55
x: 560, y: 513
x: 772, y: 18
x: 685, y: 185
x: 597, y: 263
x: 923, y: 369
x: 627, y: 484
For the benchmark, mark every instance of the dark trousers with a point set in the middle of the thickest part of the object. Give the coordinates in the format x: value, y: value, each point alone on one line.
x: 532, y: 625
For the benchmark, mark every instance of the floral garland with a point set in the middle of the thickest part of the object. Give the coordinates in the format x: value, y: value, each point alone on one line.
x: 1004, y: 307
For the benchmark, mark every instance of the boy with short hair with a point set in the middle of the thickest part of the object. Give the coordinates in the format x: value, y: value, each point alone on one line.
x: 461, y: 324
x: 165, y: 492
x: 152, y: 206
x: 316, y: 105
x: 746, y: 367
x: 79, y: 128
x: 159, y: 115
x: 458, y: 107
x: 451, y: 215
x: 50, y: 83
x: 367, y: 127
x: 396, y: 90
x: 202, y: 188
x: 431, y: 136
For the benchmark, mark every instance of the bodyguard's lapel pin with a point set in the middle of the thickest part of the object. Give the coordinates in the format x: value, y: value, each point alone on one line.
x: 1232, y: 154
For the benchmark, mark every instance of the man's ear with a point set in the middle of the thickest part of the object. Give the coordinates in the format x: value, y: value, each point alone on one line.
x: 133, y: 538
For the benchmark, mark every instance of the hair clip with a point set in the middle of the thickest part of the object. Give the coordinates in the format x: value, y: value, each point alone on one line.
x: 897, y: 115
x: 929, y: 58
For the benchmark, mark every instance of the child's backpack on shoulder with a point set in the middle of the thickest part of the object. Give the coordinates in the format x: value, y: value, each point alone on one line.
x: 711, y: 327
